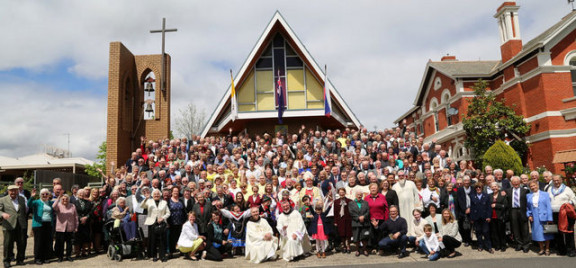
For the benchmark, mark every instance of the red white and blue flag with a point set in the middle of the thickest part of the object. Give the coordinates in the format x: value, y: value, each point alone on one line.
x: 327, y: 104
x: 280, y: 98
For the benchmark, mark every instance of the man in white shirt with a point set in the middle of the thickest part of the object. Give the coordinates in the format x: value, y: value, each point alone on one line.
x: 561, y: 194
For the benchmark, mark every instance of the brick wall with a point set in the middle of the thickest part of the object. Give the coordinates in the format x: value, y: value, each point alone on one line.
x: 125, y: 122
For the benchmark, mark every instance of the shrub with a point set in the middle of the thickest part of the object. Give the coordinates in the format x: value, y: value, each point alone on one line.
x: 502, y: 156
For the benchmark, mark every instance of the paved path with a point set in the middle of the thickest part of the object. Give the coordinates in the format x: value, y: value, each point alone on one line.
x: 470, y: 258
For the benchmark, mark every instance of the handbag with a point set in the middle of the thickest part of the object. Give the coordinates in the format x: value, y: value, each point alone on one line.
x: 159, y: 228
x: 466, y: 223
x: 550, y: 228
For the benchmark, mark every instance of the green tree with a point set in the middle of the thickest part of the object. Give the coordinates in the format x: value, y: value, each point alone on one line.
x: 28, y: 183
x: 502, y: 156
x: 99, y: 164
x: 489, y: 120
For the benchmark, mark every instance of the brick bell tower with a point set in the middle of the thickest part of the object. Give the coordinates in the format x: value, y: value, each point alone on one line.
x: 138, y: 104
x: 507, y: 15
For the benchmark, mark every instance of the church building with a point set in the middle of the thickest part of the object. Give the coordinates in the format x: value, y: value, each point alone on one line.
x: 279, y: 73
x: 538, y: 77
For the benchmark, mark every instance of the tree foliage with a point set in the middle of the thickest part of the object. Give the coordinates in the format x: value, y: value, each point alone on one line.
x: 502, y: 156
x: 190, y: 121
x: 28, y: 183
x: 99, y: 164
x: 489, y: 120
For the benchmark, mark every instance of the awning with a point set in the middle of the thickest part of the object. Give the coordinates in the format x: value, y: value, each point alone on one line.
x: 565, y: 156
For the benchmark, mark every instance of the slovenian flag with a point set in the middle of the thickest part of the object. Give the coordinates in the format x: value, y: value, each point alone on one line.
x: 280, y: 98
x: 327, y: 108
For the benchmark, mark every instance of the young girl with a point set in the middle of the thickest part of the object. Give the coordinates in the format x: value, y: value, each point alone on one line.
x: 429, y: 243
x: 320, y: 231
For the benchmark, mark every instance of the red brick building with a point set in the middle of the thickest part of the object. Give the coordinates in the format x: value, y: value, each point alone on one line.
x: 538, y: 76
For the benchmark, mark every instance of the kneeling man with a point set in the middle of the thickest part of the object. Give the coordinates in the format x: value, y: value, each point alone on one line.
x: 395, y: 229
x: 260, y: 243
x: 294, y: 239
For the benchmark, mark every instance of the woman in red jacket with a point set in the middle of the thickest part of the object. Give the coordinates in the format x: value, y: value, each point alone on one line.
x: 378, y: 211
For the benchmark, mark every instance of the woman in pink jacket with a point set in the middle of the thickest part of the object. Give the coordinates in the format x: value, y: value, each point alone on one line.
x: 66, y: 225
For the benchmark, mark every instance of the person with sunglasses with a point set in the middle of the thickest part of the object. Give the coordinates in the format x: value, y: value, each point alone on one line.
x: 21, y: 191
x: 41, y: 224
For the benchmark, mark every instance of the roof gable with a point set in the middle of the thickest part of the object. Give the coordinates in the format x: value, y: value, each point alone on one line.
x: 277, y: 25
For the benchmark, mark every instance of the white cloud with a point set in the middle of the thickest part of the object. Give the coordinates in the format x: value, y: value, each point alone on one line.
x: 376, y: 52
x: 35, y: 115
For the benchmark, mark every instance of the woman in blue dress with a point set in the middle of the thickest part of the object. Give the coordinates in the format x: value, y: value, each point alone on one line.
x: 539, y: 212
x: 177, y: 219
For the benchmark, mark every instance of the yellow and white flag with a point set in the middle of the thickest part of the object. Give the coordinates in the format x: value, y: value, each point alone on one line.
x: 234, y: 110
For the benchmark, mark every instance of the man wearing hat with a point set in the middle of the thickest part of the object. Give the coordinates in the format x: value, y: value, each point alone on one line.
x: 14, y: 225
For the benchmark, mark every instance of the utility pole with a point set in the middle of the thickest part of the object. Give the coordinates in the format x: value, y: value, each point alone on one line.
x: 69, y: 153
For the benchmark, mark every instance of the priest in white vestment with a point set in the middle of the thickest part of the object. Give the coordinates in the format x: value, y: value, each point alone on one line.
x: 261, y: 244
x: 294, y: 240
x: 408, y: 198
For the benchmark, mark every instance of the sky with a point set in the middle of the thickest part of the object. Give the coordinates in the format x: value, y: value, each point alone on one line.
x: 54, y: 54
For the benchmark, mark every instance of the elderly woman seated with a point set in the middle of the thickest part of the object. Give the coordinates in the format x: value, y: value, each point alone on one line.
x: 122, y: 217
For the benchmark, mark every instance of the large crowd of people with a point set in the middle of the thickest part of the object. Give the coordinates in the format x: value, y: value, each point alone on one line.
x: 292, y: 196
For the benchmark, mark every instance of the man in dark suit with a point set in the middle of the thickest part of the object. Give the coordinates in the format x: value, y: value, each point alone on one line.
x: 412, y: 149
x: 14, y: 225
x: 203, y: 212
x: 480, y: 216
x: 187, y: 200
x: 463, y: 210
x: 518, y: 220
x: 225, y: 198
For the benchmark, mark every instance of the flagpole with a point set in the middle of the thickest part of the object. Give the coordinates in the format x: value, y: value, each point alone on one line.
x: 233, y: 104
x: 327, y: 102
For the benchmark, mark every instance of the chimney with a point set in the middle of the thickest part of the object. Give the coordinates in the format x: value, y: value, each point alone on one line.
x: 507, y: 15
x: 448, y: 57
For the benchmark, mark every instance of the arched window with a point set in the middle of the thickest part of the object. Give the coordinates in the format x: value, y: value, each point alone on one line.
x: 573, y: 73
x: 433, y: 109
x: 433, y: 104
x: 436, y: 125
x: 445, y: 96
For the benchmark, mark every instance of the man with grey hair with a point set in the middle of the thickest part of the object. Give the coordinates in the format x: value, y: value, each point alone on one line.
x: 408, y: 197
x: 544, y: 186
x: 463, y: 210
x: 499, y: 178
x: 14, y: 224
x: 516, y: 201
x: 488, y: 170
x: 21, y: 191
x: 560, y: 195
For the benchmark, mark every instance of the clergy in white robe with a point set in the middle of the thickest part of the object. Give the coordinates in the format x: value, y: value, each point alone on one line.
x: 261, y: 244
x: 294, y: 240
x: 408, y: 198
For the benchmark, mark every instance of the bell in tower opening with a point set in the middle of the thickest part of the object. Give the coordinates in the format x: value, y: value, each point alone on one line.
x: 149, y: 96
x: 149, y: 110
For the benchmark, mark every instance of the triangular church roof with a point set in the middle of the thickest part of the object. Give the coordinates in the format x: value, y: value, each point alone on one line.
x: 279, y: 24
